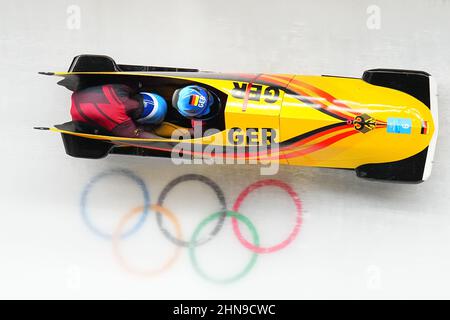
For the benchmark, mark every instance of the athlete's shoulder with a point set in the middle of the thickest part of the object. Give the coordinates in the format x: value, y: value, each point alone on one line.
x: 88, y: 90
x: 121, y: 89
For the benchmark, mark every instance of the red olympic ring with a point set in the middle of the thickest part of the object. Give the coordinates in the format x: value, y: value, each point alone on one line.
x: 292, y: 235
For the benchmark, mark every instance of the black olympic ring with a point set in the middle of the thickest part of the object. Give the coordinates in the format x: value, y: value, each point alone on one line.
x: 220, y: 221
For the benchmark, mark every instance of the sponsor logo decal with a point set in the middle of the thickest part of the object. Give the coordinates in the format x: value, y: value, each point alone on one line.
x: 364, y: 123
x: 399, y: 125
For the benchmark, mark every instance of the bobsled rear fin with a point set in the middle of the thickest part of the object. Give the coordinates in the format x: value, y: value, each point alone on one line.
x: 102, y: 63
x: 93, y: 63
x: 81, y: 147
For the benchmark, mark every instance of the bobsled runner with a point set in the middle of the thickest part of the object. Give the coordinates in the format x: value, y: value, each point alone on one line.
x: 383, y: 125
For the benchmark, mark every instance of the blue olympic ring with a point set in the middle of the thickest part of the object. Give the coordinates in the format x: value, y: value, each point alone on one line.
x: 93, y: 181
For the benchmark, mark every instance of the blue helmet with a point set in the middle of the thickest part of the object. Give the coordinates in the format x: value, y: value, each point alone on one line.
x: 193, y: 101
x: 154, y: 108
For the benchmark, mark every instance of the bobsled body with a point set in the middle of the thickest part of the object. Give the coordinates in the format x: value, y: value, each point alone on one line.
x: 383, y: 125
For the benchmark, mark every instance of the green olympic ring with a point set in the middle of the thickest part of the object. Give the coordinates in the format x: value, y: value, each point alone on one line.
x: 196, y: 233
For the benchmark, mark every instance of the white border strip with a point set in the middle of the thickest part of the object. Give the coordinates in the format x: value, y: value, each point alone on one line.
x: 432, y: 145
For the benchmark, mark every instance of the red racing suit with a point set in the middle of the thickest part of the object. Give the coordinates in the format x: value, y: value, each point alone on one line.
x: 112, y: 107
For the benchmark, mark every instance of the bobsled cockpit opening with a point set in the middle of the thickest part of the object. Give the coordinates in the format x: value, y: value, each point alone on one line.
x: 158, y: 84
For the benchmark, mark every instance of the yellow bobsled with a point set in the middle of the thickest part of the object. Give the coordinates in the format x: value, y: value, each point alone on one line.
x: 383, y: 125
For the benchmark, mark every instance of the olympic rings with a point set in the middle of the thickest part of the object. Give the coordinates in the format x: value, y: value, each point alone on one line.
x: 292, y: 235
x: 116, y: 237
x: 193, y: 242
x: 250, y: 264
x: 122, y: 172
x: 217, y: 190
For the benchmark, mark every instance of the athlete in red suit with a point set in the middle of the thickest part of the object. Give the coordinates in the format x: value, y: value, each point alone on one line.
x: 117, y: 110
